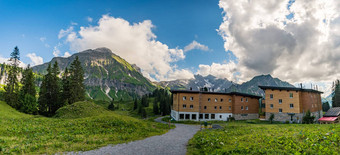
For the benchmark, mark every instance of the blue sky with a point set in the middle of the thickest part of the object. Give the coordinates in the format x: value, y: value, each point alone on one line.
x: 296, y: 41
x: 177, y: 23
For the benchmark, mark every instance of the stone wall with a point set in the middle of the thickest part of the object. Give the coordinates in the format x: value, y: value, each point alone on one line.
x: 245, y: 116
x: 297, y: 118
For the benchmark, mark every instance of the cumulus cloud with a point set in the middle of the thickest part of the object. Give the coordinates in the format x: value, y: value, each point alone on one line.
x: 134, y: 42
x: 195, y: 45
x: 223, y: 71
x: 66, y: 54
x: 56, y: 51
x: 63, y: 32
x: 298, y: 41
x: 35, y: 60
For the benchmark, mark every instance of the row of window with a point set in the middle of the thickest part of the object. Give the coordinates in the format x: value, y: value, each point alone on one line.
x: 272, y: 96
x: 193, y: 116
x: 205, y: 107
x: 192, y: 98
x: 290, y: 105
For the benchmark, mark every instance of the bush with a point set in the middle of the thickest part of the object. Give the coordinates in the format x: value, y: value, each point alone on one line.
x: 271, y: 118
x: 231, y: 119
x: 308, y: 118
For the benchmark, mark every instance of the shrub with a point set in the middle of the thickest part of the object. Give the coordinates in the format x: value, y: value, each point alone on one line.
x: 271, y: 118
x: 308, y: 118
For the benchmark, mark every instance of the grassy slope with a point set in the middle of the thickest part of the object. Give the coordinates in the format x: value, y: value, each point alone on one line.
x: 81, y: 110
x: 244, y: 138
x: 27, y: 134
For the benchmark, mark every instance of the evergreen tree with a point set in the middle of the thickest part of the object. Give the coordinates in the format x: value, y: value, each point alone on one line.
x: 56, y: 89
x: 77, y: 88
x: 66, y: 87
x: 28, y: 103
x: 336, y: 92
x: 325, y: 106
x: 155, y: 107
x: 135, y: 104
x: 111, y: 105
x: 308, y: 118
x: 12, y: 87
x: 143, y: 112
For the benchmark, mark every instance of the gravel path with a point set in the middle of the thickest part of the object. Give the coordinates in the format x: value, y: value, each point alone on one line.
x: 172, y: 143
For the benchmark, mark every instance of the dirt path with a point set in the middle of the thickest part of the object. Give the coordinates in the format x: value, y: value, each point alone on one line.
x: 172, y: 143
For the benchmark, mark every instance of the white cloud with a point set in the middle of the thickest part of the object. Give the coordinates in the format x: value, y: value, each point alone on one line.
x: 89, y: 19
x: 35, y: 60
x: 195, y: 45
x: 6, y: 61
x: 305, y: 47
x: 134, y: 42
x: 56, y: 51
x: 66, y: 54
x: 180, y: 74
x: 225, y: 70
x: 63, y: 32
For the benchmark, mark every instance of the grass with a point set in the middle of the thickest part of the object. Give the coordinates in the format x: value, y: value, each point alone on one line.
x: 27, y: 134
x: 81, y: 110
x: 249, y: 138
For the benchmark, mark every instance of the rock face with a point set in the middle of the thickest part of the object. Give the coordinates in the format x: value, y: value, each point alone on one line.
x: 107, y: 76
x: 198, y: 82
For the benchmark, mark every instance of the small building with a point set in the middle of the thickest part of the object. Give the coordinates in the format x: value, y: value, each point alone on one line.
x: 331, y: 116
x: 204, y: 105
x: 291, y: 103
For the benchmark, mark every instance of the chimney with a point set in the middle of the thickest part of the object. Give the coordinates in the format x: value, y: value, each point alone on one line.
x: 301, y: 85
x: 190, y: 88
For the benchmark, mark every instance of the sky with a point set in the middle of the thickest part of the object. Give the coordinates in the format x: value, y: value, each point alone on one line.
x: 296, y: 41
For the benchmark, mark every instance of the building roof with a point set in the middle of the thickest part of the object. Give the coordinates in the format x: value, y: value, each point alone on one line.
x: 330, y: 119
x: 221, y: 93
x: 333, y: 112
x: 290, y: 88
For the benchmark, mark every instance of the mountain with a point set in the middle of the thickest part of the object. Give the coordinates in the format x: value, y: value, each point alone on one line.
x: 107, y: 76
x: 224, y: 85
x: 199, y: 81
x: 251, y: 86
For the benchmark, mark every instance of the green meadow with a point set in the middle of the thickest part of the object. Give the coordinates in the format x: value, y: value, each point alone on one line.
x: 78, y: 127
x: 263, y: 138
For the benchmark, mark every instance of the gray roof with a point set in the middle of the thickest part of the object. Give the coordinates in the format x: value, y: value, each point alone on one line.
x: 290, y: 88
x: 221, y: 93
x: 333, y: 112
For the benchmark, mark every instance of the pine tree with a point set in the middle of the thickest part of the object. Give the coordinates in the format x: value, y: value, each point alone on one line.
x: 111, y: 105
x: 77, y: 88
x: 135, y: 104
x: 155, y: 107
x: 28, y: 103
x: 12, y: 87
x: 336, y: 96
x: 325, y: 106
x: 66, y: 87
x: 56, y: 89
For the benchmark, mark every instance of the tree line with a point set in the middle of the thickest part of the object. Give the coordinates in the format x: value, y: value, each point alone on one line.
x: 55, y: 91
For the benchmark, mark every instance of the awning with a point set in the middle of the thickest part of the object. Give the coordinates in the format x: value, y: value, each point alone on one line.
x: 328, y: 118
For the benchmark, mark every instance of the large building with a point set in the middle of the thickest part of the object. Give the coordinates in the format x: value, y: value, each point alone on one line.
x: 290, y: 103
x: 203, y: 105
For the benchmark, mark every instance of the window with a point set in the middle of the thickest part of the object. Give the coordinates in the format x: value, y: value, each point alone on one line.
x: 272, y: 106
x: 193, y: 116
x: 191, y: 106
x: 230, y: 100
x: 291, y: 95
x: 215, y: 107
x: 184, y: 106
x: 205, y: 107
x: 291, y: 105
x: 181, y: 116
x: 241, y: 99
x: 271, y: 96
x: 220, y: 107
x: 206, y: 116
x: 220, y: 116
x: 212, y: 116
x: 201, y: 116
x: 280, y: 101
x: 208, y: 99
x: 229, y: 107
x: 221, y: 99
x: 246, y: 107
x: 312, y: 106
x: 280, y: 110
x: 246, y: 99
x: 187, y: 116
x: 184, y: 98
x: 216, y: 100
x: 241, y: 107
x: 191, y: 98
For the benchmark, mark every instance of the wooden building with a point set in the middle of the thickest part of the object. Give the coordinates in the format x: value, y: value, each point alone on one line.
x: 331, y: 116
x: 203, y: 105
x: 291, y: 103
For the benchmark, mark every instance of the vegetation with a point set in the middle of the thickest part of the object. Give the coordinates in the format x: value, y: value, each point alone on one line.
x: 28, y: 103
x: 77, y: 88
x: 12, y: 88
x: 27, y: 134
x: 271, y: 118
x: 245, y: 138
x: 336, y: 96
x: 80, y: 110
x: 308, y: 118
x: 325, y: 106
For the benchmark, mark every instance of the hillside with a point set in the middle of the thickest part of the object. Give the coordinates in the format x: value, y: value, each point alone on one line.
x: 107, y: 75
x: 27, y: 134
